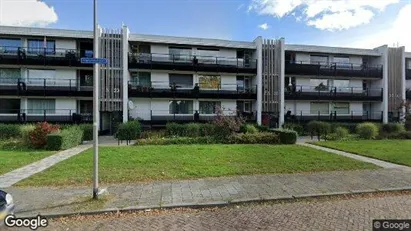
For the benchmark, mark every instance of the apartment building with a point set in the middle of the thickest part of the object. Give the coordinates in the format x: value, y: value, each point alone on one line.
x: 157, y: 79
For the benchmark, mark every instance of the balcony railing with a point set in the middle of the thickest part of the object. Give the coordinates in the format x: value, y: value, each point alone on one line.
x: 164, y: 89
x: 334, y: 116
x: 332, y: 93
x: 163, y: 116
x: 44, y: 87
x: 334, y: 69
x: 408, y: 73
x: 191, y: 63
x: 40, y: 56
x: 40, y: 115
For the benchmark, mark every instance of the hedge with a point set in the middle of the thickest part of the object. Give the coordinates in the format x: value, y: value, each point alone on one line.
x: 367, y: 130
x: 286, y: 136
x: 295, y: 127
x: 87, y: 131
x: 318, y: 128
x: 254, y: 138
x: 392, y: 128
x: 8, y: 131
x: 128, y: 131
x: 177, y: 140
x: 189, y: 130
x: 68, y: 138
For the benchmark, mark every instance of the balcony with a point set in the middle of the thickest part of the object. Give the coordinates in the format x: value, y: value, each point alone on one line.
x: 333, y: 93
x: 353, y: 116
x: 39, y: 115
x: 407, y: 73
x: 191, y: 63
x: 44, y: 87
x: 333, y: 69
x: 158, y: 117
x: 164, y: 90
x: 40, y: 56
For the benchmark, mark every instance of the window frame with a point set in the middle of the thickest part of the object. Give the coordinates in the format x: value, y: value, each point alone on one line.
x: 216, y: 103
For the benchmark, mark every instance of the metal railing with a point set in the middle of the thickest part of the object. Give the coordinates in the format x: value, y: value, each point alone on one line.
x: 334, y: 116
x: 40, y: 115
x: 326, y: 91
x: 191, y: 60
x: 188, y: 115
x: 333, y: 69
x: 43, y: 84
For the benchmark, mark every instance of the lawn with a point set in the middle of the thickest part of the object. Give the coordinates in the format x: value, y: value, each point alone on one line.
x: 146, y: 163
x: 16, y: 157
x: 395, y: 151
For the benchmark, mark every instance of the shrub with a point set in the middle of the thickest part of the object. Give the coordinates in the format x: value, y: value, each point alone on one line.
x: 367, y: 130
x: 349, y: 126
x: 408, y: 123
x: 206, y: 129
x: 254, y: 138
x: 175, y: 129
x: 295, y: 127
x: 38, y: 135
x: 8, y: 131
x: 318, y: 128
x: 262, y: 128
x: 340, y: 133
x: 68, y: 138
x: 248, y: 128
x: 152, y: 134
x: 87, y: 131
x: 177, y: 140
x: 25, y: 133
x: 128, y: 131
x: 403, y: 135
x: 226, y: 125
x: 286, y: 136
x: 392, y: 128
x: 192, y: 130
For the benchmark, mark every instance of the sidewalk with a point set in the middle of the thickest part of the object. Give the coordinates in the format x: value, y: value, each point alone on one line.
x: 32, y: 201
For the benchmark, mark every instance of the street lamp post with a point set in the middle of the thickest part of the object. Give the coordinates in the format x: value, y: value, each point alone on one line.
x: 95, y: 105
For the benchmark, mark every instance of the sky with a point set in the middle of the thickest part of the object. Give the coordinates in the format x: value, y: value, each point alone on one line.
x: 346, y: 23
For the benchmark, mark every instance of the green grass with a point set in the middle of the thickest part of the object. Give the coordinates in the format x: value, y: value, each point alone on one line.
x: 146, y: 163
x: 395, y: 151
x: 13, y: 156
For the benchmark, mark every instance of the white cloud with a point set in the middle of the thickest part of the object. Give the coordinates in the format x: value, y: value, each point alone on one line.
x: 240, y: 7
x: 264, y: 26
x: 324, y: 14
x: 26, y: 13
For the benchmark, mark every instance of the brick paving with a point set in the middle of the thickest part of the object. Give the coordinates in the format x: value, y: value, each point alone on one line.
x: 329, y: 214
x: 31, y: 201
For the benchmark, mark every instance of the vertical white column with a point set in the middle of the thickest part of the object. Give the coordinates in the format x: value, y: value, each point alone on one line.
x: 259, y: 43
x: 385, y: 83
x: 125, y: 49
x: 403, y: 81
x: 281, y: 81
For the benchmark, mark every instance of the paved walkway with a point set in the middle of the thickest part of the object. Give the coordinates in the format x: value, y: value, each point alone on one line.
x: 19, y: 174
x: 223, y: 190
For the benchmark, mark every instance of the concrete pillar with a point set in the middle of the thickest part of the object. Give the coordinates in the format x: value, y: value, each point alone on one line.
x: 281, y: 83
x: 125, y: 49
x: 259, y: 44
x: 384, y: 51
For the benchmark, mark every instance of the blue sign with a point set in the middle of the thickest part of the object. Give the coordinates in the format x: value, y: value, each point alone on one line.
x: 94, y: 61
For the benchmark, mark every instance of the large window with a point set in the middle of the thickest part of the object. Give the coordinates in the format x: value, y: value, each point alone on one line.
x: 319, y: 84
x: 181, y: 80
x: 342, y: 62
x: 9, y: 106
x: 243, y: 82
x: 181, y: 107
x: 9, y: 75
x: 39, y: 106
x: 39, y: 46
x: 86, y: 106
x: 141, y: 79
x: 86, y: 78
x: 209, y: 81
x: 341, y: 108
x: 180, y: 54
x: 318, y: 59
x: 37, y: 77
x: 9, y: 45
x: 244, y: 106
x: 322, y: 108
x: 341, y: 85
x: 209, y: 107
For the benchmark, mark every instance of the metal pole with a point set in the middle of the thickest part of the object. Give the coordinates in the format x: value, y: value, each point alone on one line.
x: 95, y: 106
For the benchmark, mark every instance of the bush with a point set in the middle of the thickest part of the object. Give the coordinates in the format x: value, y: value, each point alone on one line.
x: 349, y: 126
x: 404, y: 135
x: 128, y: 131
x: 8, y: 131
x: 286, y: 136
x: 25, y: 133
x: 192, y: 130
x: 254, y: 138
x: 248, y: 128
x: 340, y: 133
x: 68, y: 138
x: 38, y: 135
x: 152, y: 134
x: 225, y: 126
x: 295, y: 127
x: 367, y: 130
x: 206, y: 129
x: 262, y: 128
x: 318, y: 128
x: 175, y: 129
x: 408, y: 123
x: 87, y: 131
x: 392, y: 128
x: 177, y: 140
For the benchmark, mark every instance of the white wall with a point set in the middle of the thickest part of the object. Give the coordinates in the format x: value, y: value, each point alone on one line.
x: 160, y: 80
x: 229, y: 106
x: 159, y: 49
x: 304, y: 106
x: 65, y: 44
x: 64, y: 105
x: 160, y: 106
x: 229, y: 82
x: 142, y: 108
x: 228, y: 53
x: 302, y: 57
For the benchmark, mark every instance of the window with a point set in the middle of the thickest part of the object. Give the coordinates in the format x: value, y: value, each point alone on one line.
x: 9, y: 106
x: 318, y: 59
x: 141, y: 79
x: 322, y: 108
x: 209, y: 107
x: 341, y: 108
x: 342, y: 62
x: 208, y: 52
x: 9, y: 45
x: 342, y: 85
x: 9, y: 75
x: 38, y: 106
x: 181, y: 107
x: 181, y: 80
x: 243, y: 82
x: 86, y: 78
x: 180, y: 54
x: 37, y: 77
x: 244, y: 106
x: 209, y: 81
x: 39, y: 46
x: 319, y: 84
x: 86, y: 106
